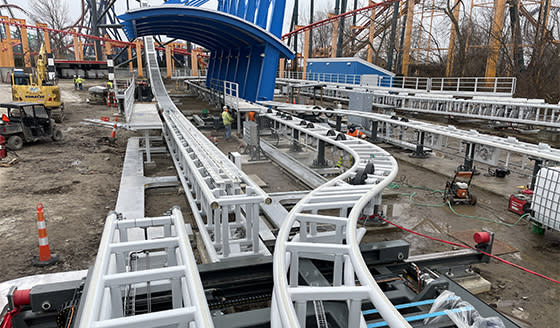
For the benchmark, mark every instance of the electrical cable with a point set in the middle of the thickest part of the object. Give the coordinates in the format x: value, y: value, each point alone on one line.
x: 436, y: 193
x: 517, y: 266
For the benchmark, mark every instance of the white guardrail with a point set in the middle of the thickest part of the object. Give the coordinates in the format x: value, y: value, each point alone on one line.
x: 496, y: 86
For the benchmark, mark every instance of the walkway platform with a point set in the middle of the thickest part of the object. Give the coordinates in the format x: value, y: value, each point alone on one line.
x: 145, y: 116
x: 130, y: 202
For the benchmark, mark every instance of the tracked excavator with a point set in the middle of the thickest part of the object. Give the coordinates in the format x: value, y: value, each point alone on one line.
x: 38, y: 88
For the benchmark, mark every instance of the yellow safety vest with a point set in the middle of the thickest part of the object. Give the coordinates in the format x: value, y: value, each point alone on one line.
x: 227, y: 118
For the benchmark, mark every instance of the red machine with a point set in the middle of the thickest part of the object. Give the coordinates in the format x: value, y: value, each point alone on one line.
x: 521, y: 203
x: 2, y: 147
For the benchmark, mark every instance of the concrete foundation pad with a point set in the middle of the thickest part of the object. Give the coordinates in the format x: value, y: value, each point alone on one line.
x: 258, y: 180
x: 474, y: 284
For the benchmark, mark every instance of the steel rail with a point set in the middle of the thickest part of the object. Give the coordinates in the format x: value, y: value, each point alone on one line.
x: 113, y: 273
x: 311, y: 243
x: 509, y: 144
x: 512, y: 110
x: 336, y: 17
x: 215, y: 187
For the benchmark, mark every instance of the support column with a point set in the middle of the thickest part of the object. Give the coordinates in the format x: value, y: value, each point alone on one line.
x: 305, y: 51
x: 536, y: 168
x: 46, y: 38
x: 147, y: 145
x: 419, y: 152
x: 168, y: 60
x: 374, y: 128
x: 295, y: 141
x: 24, y: 42
x: 76, y: 45
x: 392, y: 36
x: 407, y: 37
x: 371, y: 33
x: 452, y: 39
x: 109, y: 47
x: 130, y: 65
x: 10, y: 48
x: 469, y: 159
x: 139, y: 57
x: 281, y: 67
x: 334, y: 42
x: 194, y: 62
x: 338, y: 126
x: 495, y: 35
x: 320, y: 161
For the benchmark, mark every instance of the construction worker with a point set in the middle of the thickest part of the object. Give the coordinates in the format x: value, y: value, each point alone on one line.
x: 75, y: 80
x: 252, y: 116
x: 109, y: 85
x: 353, y: 132
x: 228, y: 120
x: 80, y: 82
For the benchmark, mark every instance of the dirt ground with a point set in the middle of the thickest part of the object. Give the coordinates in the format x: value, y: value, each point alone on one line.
x: 77, y: 180
x: 515, y: 293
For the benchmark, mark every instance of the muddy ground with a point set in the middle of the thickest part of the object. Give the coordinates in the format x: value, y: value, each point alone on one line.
x: 77, y: 180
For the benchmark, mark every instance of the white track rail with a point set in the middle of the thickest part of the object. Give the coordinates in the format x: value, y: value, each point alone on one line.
x: 126, y: 268
x: 214, y: 186
x: 503, y: 109
x: 339, y: 243
x: 388, y: 125
x: 327, y: 236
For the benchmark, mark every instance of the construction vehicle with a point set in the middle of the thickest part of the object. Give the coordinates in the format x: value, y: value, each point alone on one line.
x: 26, y: 122
x: 457, y: 191
x: 38, y: 88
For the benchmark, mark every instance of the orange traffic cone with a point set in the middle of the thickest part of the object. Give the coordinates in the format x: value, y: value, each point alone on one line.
x: 114, y: 132
x: 45, y: 258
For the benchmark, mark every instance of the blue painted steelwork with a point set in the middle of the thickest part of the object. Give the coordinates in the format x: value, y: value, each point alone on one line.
x: 241, y: 52
x: 347, y: 69
x: 423, y: 316
x: 191, y: 3
x: 403, y: 306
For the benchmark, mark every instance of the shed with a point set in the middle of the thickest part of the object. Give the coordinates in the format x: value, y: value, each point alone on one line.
x: 344, y: 70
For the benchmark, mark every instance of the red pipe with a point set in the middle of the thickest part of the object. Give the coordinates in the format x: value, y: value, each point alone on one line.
x: 21, y: 297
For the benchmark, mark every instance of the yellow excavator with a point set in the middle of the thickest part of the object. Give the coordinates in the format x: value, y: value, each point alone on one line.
x: 38, y: 88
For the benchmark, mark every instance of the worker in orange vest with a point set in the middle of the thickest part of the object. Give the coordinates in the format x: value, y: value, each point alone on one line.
x: 353, y: 132
x: 252, y: 116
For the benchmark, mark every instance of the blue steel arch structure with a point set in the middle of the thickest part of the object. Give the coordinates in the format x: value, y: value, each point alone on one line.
x: 242, y: 50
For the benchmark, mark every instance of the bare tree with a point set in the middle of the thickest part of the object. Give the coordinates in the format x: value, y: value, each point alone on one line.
x: 54, y: 13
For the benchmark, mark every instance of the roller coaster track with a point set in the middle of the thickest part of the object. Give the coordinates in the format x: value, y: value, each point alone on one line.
x: 338, y: 242
x: 331, y: 19
x: 215, y: 187
x: 321, y: 235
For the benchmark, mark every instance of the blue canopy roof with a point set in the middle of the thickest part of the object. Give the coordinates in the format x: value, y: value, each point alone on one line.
x: 212, y: 29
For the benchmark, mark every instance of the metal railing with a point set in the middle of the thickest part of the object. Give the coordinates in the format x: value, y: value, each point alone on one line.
x: 322, y: 77
x: 497, y: 86
x: 531, y: 112
x: 126, y: 268
x: 231, y: 93
x: 128, y: 100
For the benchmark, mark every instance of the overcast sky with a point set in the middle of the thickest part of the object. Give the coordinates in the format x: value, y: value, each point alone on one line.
x: 120, y: 7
